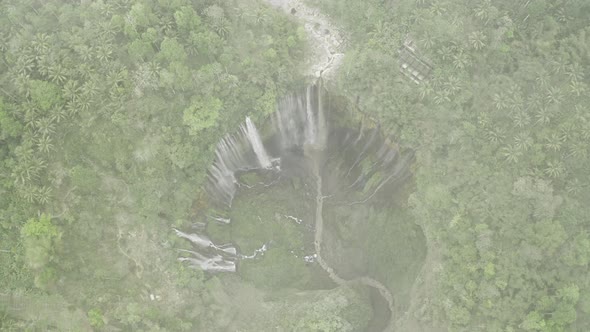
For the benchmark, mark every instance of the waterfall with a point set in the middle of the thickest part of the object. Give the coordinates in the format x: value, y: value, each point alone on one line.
x: 310, y: 128
x: 240, y: 152
x: 256, y: 143
x: 300, y: 121
x: 322, y: 130
x: 359, y: 160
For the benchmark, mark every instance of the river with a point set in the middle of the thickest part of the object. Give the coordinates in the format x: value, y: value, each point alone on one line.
x: 326, y: 48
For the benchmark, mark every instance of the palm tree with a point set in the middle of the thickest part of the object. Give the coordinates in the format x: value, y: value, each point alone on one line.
x: 559, y: 66
x: 554, y: 95
x: 577, y: 88
x: 578, y: 150
x: 453, y: 85
x: 45, y: 126
x: 90, y: 89
x: 543, y: 79
x: 516, y: 102
x: 85, y: 53
x: 461, y: 60
x: 585, y: 130
x: 511, y: 153
x: 574, y: 187
x: 22, y: 83
x: 43, y: 66
x: 192, y: 44
x: 81, y: 104
x: 58, y: 113
x: 445, y: 53
x: 56, y: 73
x: 43, y: 195
x: 523, y: 141
x: 28, y: 193
x: 168, y: 26
x: 477, y: 40
x: 154, y: 68
x: 22, y: 173
x: 427, y: 41
x: 554, y: 169
x: 483, y: 119
x: 425, y: 90
x: 44, y: 144
x: 441, y: 96
x: 417, y: 17
x: 544, y: 115
x: 106, y: 9
x: 107, y: 31
x: 554, y: 142
x: 575, y: 72
x: 521, y: 119
x: 41, y: 43
x: 27, y: 167
x: 482, y: 10
x: 438, y: 8
x: 500, y: 101
x: 260, y: 17
x: 379, y: 30
x: 85, y: 70
x: 71, y: 90
x: 4, y: 41
x: 221, y: 27
x: 104, y: 52
x: 30, y: 114
x: 535, y: 100
x: 562, y: 15
x: 24, y: 64
x: 496, y: 135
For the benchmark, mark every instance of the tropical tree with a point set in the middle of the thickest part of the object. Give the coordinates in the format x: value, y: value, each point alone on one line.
x: 56, y: 73
x: 44, y: 144
x: 554, y: 169
x: 554, y: 142
x: 40, y: 238
x: 523, y: 141
x: 511, y: 153
x: 43, y: 195
x: 477, y: 40
x: 554, y: 95
x: 45, y: 126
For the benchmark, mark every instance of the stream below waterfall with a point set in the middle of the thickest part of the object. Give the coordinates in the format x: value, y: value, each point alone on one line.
x: 319, y: 228
x: 303, y: 142
x: 326, y: 58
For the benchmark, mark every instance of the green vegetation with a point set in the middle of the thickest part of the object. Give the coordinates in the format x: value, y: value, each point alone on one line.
x: 382, y: 242
x: 281, y: 218
x: 109, y: 116
x: 501, y: 131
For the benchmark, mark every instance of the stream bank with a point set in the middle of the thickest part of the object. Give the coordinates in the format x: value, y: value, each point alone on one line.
x: 326, y: 56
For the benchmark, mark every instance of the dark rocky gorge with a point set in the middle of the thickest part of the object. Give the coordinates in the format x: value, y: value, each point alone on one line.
x: 326, y: 176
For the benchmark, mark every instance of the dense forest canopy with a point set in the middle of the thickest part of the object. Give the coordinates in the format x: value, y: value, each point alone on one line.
x: 109, y: 116
x: 501, y: 129
x: 109, y: 111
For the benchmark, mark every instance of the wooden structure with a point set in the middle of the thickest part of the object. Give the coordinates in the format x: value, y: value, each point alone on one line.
x: 411, y: 64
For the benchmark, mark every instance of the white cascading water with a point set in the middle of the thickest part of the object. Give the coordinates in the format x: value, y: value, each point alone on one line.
x: 299, y: 121
x: 310, y: 128
x: 256, y: 143
x: 322, y: 124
